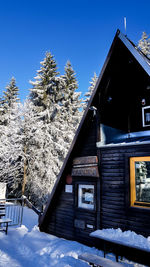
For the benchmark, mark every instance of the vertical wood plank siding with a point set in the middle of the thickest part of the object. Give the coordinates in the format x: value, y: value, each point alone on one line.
x: 115, y: 197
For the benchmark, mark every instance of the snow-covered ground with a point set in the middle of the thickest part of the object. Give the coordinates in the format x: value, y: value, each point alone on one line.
x: 26, y: 246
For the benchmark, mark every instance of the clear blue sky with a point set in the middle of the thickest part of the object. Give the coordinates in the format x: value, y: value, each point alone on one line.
x: 81, y: 31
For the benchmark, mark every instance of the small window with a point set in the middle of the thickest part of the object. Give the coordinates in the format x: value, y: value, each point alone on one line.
x: 86, y: 196
x: 146, y: 116
x: 140, y: 181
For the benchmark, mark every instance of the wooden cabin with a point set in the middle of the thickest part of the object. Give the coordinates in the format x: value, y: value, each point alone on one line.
x: 105, y: 179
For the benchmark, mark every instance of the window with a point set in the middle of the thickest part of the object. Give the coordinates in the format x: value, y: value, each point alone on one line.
x: 140, y: 181
x: 86, y: 196
x: 146, y: 116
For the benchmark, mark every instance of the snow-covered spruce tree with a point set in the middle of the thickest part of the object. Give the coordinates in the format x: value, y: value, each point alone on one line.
x: 71, y: 99
x: 50, y: 127
x: 44, y: 103
x: 41, y: 166
x: 68, y: 116
x: 144, y: 44
x: 90, y: 90
x: 10, y: 98
x: 11, y: 142
x: 34, y: 141
x: 45, y: 89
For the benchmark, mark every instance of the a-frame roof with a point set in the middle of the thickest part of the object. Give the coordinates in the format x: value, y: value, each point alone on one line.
x: 143, y: 61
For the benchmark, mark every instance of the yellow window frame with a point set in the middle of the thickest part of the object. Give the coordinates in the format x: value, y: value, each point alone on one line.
x: 133, y: 201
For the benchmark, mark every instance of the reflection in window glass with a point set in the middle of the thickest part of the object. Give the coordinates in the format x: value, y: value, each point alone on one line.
x: 86, y: 196
x: 142, y: 181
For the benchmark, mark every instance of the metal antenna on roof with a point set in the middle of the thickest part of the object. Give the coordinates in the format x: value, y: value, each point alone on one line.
x: 125, y: 24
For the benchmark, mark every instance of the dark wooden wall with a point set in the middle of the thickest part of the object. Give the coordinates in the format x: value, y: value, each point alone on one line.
x: 61, y: 218
x: 115, y: 190
x: 86, y: 143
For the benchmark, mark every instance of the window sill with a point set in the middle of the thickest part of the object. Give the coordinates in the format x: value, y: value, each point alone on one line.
x: 139, y: 209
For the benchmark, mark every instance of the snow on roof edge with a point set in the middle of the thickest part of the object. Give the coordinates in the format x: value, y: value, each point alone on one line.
x: 100, y: 145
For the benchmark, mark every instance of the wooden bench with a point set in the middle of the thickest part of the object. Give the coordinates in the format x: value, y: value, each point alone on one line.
x: 4, y: 221
x: 133, y: 253
x: 95, y: 260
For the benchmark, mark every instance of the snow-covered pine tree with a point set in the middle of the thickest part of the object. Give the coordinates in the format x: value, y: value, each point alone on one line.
x: 10, y: 99
x: 44, y: 103
x: 68, y: 116
x: 90, y: 90
x: 11, y: 143
x: 46, y: 89
x: 35, y: 138
x: 71, y: 98
x: 52, y: 119
x: 144, y: 44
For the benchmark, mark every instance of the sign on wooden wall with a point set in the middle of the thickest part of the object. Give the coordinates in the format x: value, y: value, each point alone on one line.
x: 68, y: 188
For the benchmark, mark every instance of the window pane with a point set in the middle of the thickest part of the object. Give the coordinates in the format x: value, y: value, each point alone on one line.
x: 142, y: 181
x: 86, y: 196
